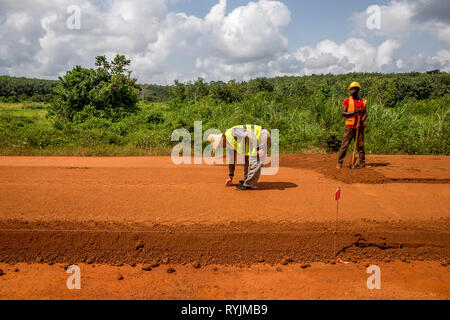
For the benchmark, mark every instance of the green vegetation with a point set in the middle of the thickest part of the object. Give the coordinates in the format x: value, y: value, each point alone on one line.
x: 107, y: 92
x: 154, y: 93
x: 16, y: 90
x: 408, y: 114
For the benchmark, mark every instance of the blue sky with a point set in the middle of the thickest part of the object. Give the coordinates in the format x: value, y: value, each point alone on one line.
x: 224, y: 39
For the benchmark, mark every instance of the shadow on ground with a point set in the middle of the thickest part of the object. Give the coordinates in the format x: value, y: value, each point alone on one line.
x: 276, y: 185
x: 378, y: 165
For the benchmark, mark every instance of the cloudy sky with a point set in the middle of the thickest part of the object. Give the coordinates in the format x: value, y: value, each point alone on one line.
x: 224, y: 40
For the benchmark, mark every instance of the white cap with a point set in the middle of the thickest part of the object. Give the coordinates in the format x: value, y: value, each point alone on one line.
x: 215, y: 140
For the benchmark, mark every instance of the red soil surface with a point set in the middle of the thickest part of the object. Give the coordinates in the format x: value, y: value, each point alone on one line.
x: 114, y: 211
x: 416, y: 280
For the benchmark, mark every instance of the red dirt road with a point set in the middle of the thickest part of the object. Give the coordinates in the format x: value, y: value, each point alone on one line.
x: 417, y: 280
x: 114, y: 211
x: 154, y: 190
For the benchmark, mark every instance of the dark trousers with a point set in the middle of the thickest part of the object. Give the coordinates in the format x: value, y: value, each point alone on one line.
x: 349, y: 135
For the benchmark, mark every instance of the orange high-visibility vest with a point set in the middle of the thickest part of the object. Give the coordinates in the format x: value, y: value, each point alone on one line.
x: 351, y: 121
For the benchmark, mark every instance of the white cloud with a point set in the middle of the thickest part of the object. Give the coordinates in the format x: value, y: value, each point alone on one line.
x: 40, y: 44
x: 249, y: 32
x: 216, y: 69
x: 442, y: 32
x: 421, y: 62
x: 395, y: 20
x: 402, y: 19
x: 352, y: 55
x: 244, y: 43
x: 443, y: 56
x: 385, y: 53
x: 174, y: 36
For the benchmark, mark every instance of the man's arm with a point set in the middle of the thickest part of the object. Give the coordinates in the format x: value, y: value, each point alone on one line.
x: 231, y: 166
x: 364, y: 116
x: 346, y: 114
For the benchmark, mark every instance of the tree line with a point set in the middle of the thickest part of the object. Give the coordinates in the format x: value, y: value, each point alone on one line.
x: 390, y: 89
x: 14, y: 89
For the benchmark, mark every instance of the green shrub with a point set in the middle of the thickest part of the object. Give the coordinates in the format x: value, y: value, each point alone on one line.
x: 106, y: 92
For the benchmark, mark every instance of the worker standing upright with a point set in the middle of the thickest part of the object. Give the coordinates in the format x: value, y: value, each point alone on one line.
x: 355, y: 111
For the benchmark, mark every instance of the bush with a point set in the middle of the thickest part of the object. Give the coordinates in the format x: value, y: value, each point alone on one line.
x: 106, y: 92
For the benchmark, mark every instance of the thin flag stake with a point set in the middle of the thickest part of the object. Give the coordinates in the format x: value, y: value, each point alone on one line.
x: 337, y: 198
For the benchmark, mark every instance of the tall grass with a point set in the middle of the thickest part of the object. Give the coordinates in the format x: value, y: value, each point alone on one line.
x: 305, y: 123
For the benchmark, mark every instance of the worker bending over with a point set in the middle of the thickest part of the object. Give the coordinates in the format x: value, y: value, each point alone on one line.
x: 251, y: 141
x: 355, y: 112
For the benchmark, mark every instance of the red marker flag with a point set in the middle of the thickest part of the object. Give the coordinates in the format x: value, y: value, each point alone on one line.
x: 338, y: 194
x: 337, y: 197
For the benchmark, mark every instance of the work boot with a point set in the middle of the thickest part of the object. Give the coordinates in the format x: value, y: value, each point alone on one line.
x: 339, y: 166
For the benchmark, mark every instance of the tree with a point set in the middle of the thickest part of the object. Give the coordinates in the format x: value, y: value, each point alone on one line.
x: 260, y: 85
x: 106, y: 92
x: 197, y: 90
x: 177, y: 92
x: 227, y: 92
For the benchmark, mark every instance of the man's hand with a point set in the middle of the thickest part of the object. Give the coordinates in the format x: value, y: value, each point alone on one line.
x: 261, y: 153
x: 229, y: 182
x: 350, y: 114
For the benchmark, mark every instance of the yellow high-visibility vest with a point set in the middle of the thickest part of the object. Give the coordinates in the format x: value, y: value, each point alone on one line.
x: 238, y: 145
x: 351, y: 108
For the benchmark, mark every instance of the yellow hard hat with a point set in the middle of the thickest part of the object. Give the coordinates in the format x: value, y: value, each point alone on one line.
x: 354, y: 85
